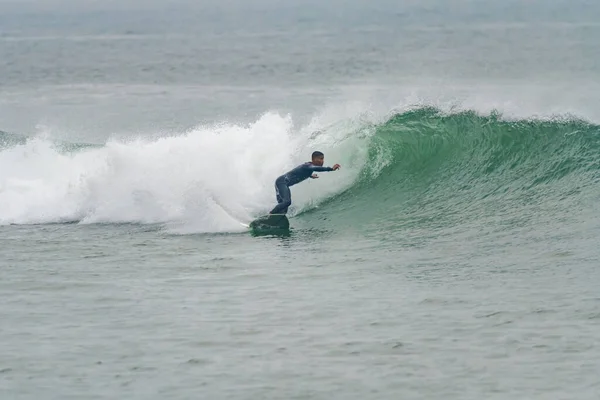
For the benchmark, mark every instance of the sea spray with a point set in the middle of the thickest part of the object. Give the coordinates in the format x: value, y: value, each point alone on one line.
x: 209, y: 179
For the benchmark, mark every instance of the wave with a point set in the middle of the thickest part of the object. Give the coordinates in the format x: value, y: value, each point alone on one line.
x: 422, y: 167
x: 206, y: 180
x: 446, y: 169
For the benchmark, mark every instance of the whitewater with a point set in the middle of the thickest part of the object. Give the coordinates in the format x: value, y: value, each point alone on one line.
x: 209, y: 179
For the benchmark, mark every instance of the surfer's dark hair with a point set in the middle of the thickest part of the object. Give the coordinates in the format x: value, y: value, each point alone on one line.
x: 316, y: 154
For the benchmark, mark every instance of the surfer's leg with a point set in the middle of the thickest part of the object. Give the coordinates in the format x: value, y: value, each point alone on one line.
x: 284, y: 198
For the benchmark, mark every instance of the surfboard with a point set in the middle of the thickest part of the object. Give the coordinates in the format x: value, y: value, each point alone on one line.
x: 270, y: 222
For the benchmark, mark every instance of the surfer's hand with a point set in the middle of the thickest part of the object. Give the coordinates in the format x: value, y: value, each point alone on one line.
x: 336, y: 167
x: 314, y: 176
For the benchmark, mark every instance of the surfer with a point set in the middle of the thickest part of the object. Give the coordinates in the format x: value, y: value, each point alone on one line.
x: 297, y: 175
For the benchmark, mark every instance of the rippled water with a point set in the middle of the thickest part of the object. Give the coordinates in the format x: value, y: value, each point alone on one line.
x: 452, y: 257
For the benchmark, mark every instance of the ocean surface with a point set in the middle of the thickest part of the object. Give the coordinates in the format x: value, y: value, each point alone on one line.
x: 453, y: 256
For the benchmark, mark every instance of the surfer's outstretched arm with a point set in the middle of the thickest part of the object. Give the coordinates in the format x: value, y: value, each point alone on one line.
x: 317, y: 168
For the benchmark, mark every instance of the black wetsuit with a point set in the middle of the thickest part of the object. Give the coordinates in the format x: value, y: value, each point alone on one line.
x: 283, y: 183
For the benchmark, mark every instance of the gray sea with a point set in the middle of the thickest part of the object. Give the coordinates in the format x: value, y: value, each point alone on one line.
x: 453, y: 256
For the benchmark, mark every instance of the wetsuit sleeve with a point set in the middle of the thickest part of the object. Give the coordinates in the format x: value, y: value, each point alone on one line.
x: 319, y: 169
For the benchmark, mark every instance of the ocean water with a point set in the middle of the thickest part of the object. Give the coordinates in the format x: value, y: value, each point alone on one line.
x: 454, y: 255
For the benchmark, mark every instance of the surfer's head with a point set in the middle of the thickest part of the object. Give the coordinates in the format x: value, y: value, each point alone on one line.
x: 318, y: 158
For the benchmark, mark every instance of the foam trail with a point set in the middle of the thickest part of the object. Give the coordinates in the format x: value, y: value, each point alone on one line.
x: 207, y: 180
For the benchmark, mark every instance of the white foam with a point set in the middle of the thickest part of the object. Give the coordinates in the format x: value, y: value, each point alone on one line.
x: 210, y: 179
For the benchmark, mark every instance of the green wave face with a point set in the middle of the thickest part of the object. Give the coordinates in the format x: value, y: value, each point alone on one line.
x: 447, y: 171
